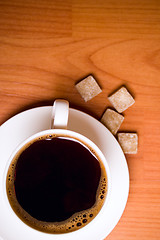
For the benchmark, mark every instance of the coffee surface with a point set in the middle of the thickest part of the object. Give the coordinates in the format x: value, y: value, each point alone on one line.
x: 59, y: 185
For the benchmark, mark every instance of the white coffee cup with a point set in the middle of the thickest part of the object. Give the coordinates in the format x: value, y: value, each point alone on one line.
x: 59, y: 120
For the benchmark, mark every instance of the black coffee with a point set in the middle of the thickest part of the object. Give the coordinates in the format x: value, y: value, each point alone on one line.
x: 56, y: 184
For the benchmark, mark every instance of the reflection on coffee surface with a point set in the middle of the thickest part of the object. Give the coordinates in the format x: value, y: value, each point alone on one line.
x: 56, y: 185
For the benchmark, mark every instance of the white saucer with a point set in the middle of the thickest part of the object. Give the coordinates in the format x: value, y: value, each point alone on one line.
x: 25, y: 124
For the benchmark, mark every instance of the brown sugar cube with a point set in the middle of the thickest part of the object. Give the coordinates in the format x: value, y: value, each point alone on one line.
x: 121, y: 99
x: 128, y: 142
x: 88, y: 88
x: 112, y: 120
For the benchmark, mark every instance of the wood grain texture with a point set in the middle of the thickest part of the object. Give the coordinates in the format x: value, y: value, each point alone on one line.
x: 47, y: 46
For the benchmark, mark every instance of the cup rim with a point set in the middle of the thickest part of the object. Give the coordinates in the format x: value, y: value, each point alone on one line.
x: 61, y: 132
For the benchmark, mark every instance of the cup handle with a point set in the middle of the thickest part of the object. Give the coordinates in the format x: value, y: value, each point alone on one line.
x: 60, y: 112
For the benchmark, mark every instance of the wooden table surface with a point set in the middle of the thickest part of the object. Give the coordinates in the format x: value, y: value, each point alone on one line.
x: 47, y: 46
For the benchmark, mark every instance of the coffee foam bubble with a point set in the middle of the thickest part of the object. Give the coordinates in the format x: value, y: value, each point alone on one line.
x: 73, y: 223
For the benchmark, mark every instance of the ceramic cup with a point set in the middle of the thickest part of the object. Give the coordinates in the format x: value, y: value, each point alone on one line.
x: 80, y: 184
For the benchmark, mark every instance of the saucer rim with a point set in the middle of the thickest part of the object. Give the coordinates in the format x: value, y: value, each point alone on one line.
x: 85, y: 115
